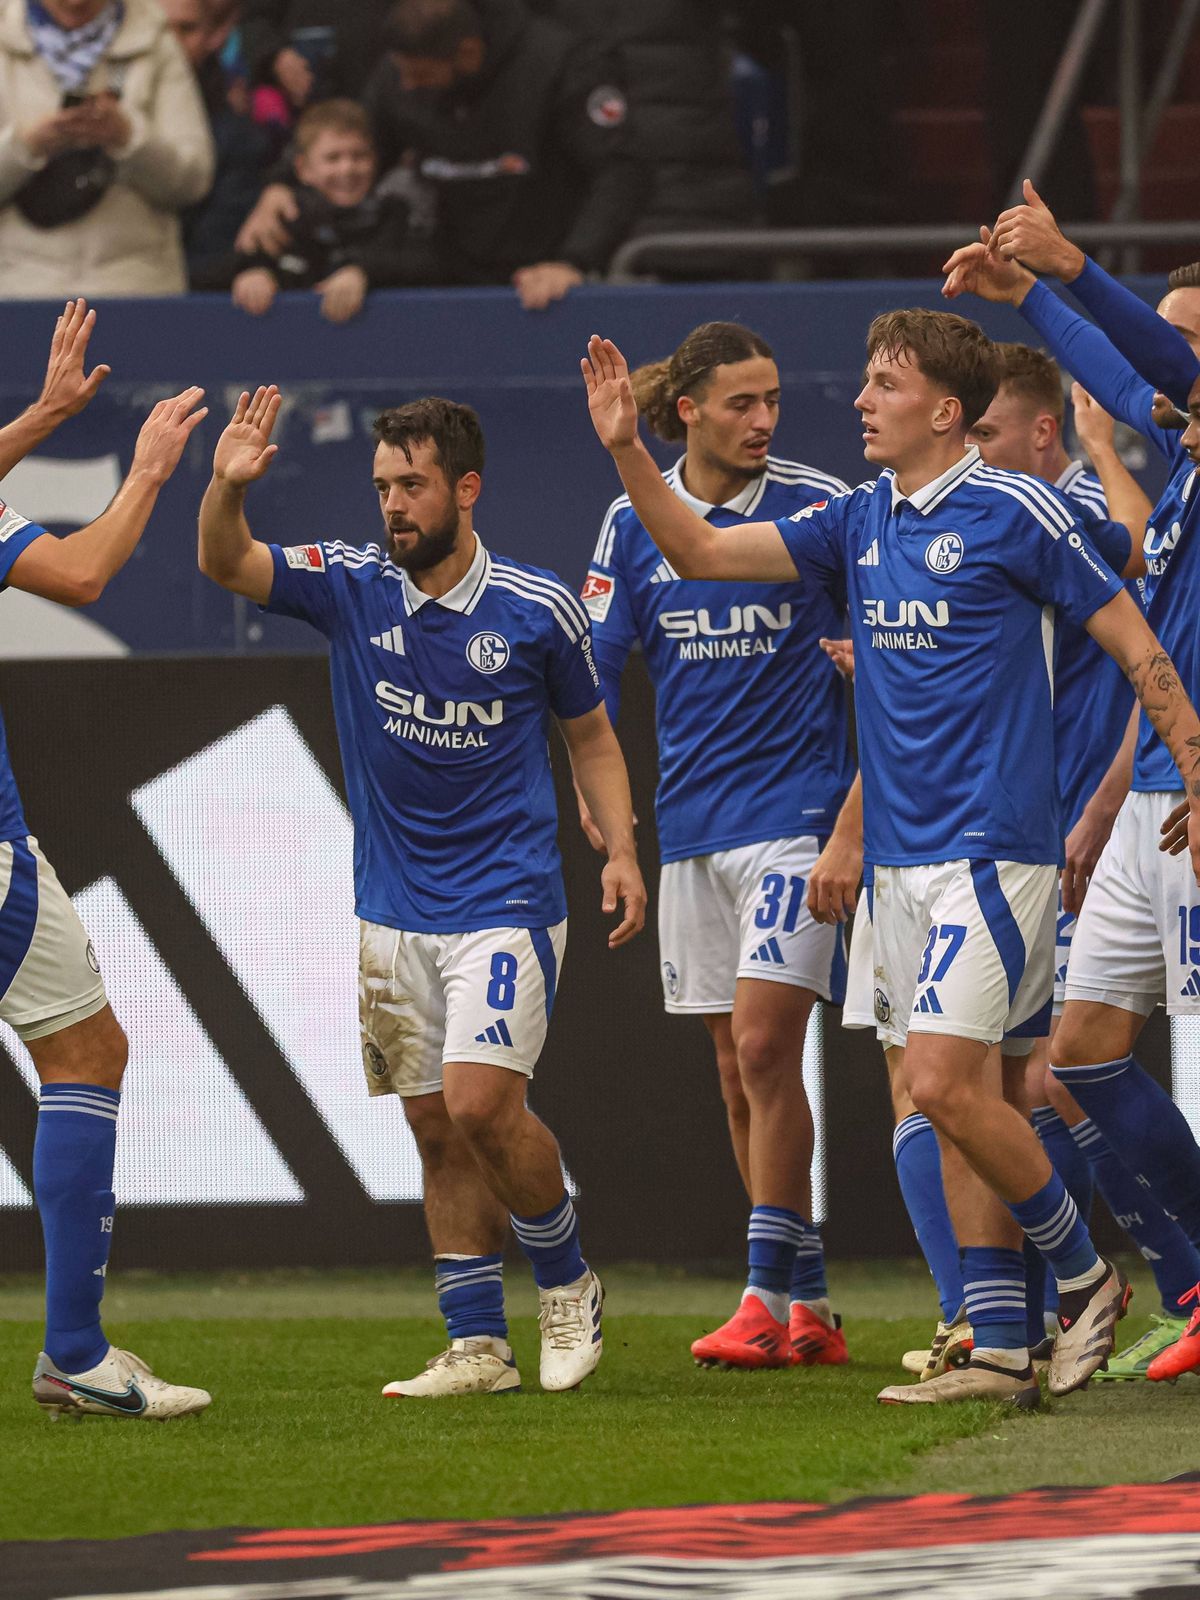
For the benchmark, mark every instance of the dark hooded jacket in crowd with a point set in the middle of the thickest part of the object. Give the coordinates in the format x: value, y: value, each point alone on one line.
x: 528, y: 161
x: 339, y: 38
x: 672, y: 63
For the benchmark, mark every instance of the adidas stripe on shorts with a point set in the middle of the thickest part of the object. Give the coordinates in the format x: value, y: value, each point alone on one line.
x: 428, y: 998
x: 1137, y: 939
x: 963, y: 948
x: 743, y: 914
x: 49, y: 975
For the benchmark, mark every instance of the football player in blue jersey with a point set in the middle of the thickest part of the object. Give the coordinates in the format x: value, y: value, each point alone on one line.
x: 1022, y: 431
x: 753, y: 769
x: 951, y: 572
x: 51, y: 991
x: 1137, y: 941
x: 448, y: 663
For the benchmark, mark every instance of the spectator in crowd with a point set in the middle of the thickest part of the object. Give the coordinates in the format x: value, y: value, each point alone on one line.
x: 673, y: 66
x: 243, y: 149
x: 347, y: 236
x: 103, y: 140
x: 312, y: 49
x: 519, y: 131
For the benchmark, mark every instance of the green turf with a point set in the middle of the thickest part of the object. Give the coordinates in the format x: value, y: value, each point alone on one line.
x: 298, y: 1434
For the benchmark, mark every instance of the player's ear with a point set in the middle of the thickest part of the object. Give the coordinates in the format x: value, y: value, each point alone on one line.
x: 1044, y: 429
x: 689, y: 411
x: 948, y: 414
x: 467, y: 490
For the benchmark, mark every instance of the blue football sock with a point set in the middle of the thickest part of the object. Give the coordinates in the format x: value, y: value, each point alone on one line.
x: 773, y: 1236
x: 551, y: 1243
x: 73, y: 1156
x: 994, y: 1284
x: 1147, y: 1130
x: 1038, y: 1281
x: 1073, y: 1168
x: 919, y: 1170
x: 470, y: 1291
x: 1050, y: 1219
x: 808, y: 1272
x: 1172, y: 1257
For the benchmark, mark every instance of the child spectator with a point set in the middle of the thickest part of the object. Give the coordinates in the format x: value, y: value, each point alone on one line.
x: 348, y: 236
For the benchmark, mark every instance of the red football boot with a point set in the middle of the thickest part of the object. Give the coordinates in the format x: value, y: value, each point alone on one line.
x: 1184, y: 1355
x: 751, y: 1338
x: 814, y: 1343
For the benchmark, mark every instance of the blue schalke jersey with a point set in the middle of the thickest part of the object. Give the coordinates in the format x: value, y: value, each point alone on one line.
x: 751, y: 714
x: 952, y: 595
x: 443, y: 712
x: 1092, y: 696
x: 16, y: 535
x: 1102, y: 362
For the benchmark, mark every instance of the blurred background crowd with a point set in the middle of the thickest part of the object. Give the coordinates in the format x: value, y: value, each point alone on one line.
x: 334, y: 146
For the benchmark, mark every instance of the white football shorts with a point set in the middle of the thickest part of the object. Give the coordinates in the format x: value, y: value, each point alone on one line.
x: 1137, y: 939
x: 963, y: 948
x: 428, y: 998
x: 49, y: 975
x: 859, y: 1008
x: 743, y: 914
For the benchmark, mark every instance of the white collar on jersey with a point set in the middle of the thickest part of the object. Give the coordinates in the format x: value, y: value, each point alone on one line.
x: 1072, y: 470
x: 743, y: 504
x: 933, y: 493
x: 466, y: 593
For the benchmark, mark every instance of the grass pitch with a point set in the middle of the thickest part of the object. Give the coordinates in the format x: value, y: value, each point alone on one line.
x: 298, y: 1434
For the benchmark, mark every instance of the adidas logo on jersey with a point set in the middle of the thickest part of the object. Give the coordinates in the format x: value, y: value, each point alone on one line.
x: 392, y: 640
x: 769, y: 953
x: 663, y: 573
x: 929, y: 1004
x: 1191, y: 988
x: 497, y: 1034
x: 871, y: 557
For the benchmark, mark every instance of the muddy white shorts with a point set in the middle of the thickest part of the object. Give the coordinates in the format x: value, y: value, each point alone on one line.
x: 49, y: 975
x: 963, y: 948
x: 743, y: 914
x: 428, y: 998
x: 1137, y: 939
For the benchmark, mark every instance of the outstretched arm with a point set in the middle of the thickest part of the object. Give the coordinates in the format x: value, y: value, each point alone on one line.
x: 1120, y: 628
x: 1077, y: 344
x: 229, y: 553
x: 75, y: 570
x: 1030, y: 233
x: 601, y: 779
x: 65, y: 390
x: 752, y: 550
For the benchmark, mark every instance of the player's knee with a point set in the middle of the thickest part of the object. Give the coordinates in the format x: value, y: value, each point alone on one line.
x: 431, y: 1126
x: 1070, y: 1047
x: 483, y: 1113
x: 942, y: 1097
x: 764, y: 1058
x: 1057, y: 1095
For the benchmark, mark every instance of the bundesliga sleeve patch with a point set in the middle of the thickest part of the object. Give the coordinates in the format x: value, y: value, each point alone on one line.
x: 10, y: 522
x: 817, y: 505
x: 308, y: 557
x: 596, y: 594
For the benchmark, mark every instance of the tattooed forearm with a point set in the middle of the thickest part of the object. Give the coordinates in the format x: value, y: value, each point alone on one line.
x: 1156, y: 684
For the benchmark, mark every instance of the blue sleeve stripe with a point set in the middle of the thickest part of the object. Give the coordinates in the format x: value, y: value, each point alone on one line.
x: 19, y: 913
x: 543, y: 949
x: 1001, y: 924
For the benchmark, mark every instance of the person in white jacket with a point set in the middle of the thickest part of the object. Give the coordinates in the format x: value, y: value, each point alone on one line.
x: 103, y: 139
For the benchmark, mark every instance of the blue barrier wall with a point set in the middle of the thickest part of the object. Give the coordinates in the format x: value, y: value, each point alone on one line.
x: 547, y: 482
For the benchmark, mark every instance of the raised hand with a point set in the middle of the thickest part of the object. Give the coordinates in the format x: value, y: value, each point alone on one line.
x: 841, y: 653
x: 1093, y: 425
x: 1030, y: 234
x: 66, y: 389
x: 165, y: 432
x: 611, y: 404
x: 244, y: 451
x: 976, y: 269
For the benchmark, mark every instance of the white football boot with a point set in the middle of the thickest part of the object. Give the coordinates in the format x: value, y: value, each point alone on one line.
x: 571, y: 1337
x: 121, y: 1385
x: 479, y: 1365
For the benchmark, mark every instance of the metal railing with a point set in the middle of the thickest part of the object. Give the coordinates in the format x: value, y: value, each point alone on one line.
x: 733, y: 246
